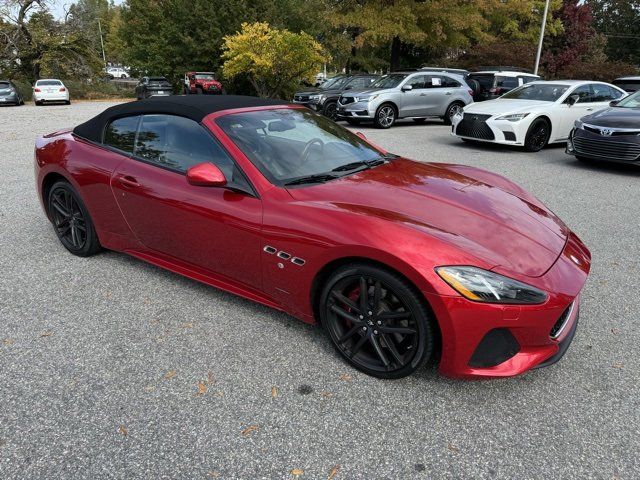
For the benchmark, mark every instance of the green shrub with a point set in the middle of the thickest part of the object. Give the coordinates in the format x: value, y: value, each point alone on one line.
x: 85, y: 90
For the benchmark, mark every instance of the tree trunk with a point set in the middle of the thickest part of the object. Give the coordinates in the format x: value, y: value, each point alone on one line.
x: 395, y: 54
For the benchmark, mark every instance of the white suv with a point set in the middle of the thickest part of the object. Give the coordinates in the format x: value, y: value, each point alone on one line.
x: 490, y: 84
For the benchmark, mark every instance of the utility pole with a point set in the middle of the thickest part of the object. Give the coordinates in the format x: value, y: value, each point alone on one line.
x: 104, y: 58
x: 544, y: 24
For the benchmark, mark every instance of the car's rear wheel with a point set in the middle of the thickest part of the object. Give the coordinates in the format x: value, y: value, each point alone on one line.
x: 71, y: 220
x: 537, y: 135
x: 385, y: 116
x: 452, y: 110
x: 376, y: 320
x: 199, y: 91
x: 331, y: 110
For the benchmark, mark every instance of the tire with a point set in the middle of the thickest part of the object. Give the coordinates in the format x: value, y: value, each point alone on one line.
x: 123, y: 76
x: 386, y: 115
x: 419, y: 120
x: 451, y: 111
x: 199, y: 91
x: 352, y: 121
x: 69, y: 216
x: 68, y: 102
x: 37, y: 103
x: 330, y: 110
x: 537, y: 136
x: 371, y: 340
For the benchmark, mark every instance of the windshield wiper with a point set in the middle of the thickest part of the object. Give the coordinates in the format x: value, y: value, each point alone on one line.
x: 358, y: 164
x: 317, y: 178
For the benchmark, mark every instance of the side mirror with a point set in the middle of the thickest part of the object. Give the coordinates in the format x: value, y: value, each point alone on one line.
x: 407, y: 88
x: 614, y: 103
x: 206, y: 175
x: 572, y: 100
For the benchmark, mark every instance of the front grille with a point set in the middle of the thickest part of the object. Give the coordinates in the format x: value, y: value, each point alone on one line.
x: 301, y: 98
x: 602, y: 147
x: 614, y: 132
x: 558, y: 327
x: 347, y: 100
x: 475, y: 126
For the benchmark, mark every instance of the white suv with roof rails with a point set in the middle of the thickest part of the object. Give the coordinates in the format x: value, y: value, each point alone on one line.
x: 489, y: 84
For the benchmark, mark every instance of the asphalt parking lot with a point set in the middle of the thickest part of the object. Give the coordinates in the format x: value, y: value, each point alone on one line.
x: 112, y: 368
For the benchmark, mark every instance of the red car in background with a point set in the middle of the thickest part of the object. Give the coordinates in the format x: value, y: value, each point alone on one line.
x: 202, y: 83
x: 400, y: 261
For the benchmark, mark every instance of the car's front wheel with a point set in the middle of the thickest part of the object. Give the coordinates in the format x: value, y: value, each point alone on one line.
x: 71, y: 220
x: 385, y: 116
x: 331, y: 111
x: 454, y: 109
x: 376, y: 320
x: 537, y: 135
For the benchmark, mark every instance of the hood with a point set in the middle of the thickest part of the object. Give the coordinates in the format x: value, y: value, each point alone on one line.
x: 479, y: 212
x: 367, y: 91
x: 615, y: 117
x: 504, y: 106
x: 310, y: 91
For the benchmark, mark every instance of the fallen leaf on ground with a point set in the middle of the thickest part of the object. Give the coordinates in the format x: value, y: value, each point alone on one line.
x: 47, y: 333
x: 202, y: 388
x: 247, y: 431
x: 211, y: 379
x: 333, y: 472
x: 326, y: 394
x: 615, y: 331
x: 346, y: 377
x: 187, y: 325
x: 123, y: 430
x: 170, y: 374
x: 7, y: 341
x: 213, y: 474
x: 617, y: 365
x: 274, y: 392
x: 297, y: 472
x: 453, y: 448
x: 149, y: 388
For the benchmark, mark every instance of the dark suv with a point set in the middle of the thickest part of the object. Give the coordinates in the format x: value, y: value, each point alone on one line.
x: 325, y: 98
x: 153, y: 87
x: 491, y: 84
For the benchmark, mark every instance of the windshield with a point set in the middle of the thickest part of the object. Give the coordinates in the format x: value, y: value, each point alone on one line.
x: 335, y: 82
x: 543, y: 92
x: 632, y: 101
x: 287, y: 144
x: 486, y: 80
x: 205, y: 76
x: 389, y: 81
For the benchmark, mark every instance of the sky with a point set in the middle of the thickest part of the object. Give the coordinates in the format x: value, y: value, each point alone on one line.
x: 58, y: 6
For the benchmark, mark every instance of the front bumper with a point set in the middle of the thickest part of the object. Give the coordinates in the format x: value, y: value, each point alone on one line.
x: 486, y: 128
x: 362, y: 110
x: 618, y: 148
x: 489, y: 340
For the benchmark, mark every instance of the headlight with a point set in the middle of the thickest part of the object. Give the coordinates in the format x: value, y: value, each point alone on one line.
x: 578, y: 124
x: 373, y: 97
x: 315, y: 98
x: 483, y: 286
x: 514, y: 117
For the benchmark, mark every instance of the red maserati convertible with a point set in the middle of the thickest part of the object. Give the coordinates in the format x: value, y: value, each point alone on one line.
x: 401, y: 262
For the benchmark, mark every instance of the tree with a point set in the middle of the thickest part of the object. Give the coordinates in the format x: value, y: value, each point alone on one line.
x: 274, y: 61
x: 619, y: 21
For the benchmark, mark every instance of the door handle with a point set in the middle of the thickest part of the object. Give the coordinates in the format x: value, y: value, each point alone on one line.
x: 448, y: 93
x: 423, y: 94
x: 589, y: 109
x: 128, y: 181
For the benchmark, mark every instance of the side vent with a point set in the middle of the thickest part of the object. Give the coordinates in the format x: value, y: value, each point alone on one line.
x: 270, y: 250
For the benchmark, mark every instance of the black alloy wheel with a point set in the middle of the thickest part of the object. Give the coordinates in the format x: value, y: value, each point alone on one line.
x: 331, y: 111
x: 377, y: 321
x: 71, y: 221
x: 537, y: 135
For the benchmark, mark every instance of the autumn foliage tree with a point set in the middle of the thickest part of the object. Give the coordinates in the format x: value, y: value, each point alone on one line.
x: 274, y: 61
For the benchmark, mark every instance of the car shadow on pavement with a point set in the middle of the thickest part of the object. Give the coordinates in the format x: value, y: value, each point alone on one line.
x: 615, y: 168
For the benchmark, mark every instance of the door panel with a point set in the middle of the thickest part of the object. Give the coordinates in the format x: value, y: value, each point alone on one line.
x: 414, y: 101
x: 214, y: 228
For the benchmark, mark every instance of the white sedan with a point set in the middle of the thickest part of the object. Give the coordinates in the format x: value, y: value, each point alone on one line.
x: 50, y: 90
x: 535, y: 114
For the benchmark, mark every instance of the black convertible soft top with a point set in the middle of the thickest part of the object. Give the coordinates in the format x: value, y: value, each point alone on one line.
x: 195, y: 107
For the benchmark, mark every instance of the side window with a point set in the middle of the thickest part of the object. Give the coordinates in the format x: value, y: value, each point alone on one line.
x: 417, y: 82
x: 615, y: 94
x: 449, y: 82
x: 584, y: 94
x: 355, y: 83
x: 526, y: 79
x: 604, y: 93
x: 434, y: 81
x: 121, y: 133
x: 179, y: 143
x: 369, y: 81
x: 506, y: 82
